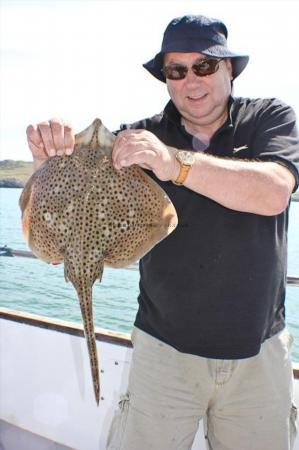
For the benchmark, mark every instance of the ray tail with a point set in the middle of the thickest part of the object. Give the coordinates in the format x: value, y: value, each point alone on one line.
x: 85, y: 298
x: 83, y: 283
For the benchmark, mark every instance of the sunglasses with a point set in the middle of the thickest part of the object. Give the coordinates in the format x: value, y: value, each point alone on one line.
x: 201, y: 68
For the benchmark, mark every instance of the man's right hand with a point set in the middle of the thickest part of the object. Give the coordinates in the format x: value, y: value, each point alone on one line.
x: 50, y: 138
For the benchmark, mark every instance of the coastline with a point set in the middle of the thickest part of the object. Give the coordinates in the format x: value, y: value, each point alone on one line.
x: 11, y: 183
x: 14, y: 174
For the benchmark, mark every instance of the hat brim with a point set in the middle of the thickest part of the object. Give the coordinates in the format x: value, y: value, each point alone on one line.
x: 239, y: 62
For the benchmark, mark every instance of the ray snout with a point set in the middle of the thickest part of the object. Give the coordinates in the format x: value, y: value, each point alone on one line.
x: 96, y: 135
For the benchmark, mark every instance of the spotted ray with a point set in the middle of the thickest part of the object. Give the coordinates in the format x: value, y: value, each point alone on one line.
x: 81, y: 211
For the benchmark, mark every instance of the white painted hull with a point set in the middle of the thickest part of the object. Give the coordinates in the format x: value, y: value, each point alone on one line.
x: 45, y: 383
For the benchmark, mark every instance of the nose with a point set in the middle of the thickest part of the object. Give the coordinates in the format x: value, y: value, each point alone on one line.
x: 192, y: 78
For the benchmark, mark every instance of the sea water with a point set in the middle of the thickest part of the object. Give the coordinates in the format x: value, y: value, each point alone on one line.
x: 31, y: 285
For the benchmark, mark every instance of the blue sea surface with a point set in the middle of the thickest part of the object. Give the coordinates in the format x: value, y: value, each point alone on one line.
x: 31, y: 285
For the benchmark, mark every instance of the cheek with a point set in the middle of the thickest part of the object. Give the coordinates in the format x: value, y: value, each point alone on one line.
x: 227, y: 88
x: 222, y: 88
x: 174, y: 90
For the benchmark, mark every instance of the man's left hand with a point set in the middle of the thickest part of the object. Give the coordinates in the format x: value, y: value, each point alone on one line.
x: 143, y: 148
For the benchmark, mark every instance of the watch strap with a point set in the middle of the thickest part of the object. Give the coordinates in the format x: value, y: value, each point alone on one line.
x: 183, y: 174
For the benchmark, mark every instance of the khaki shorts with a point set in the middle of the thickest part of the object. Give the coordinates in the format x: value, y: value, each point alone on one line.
x: 246, y: 403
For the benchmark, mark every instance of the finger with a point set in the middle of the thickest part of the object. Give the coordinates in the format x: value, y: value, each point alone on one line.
x: 126, y: 152
x: 33, y: 135
x: 69, y: 138
x: 141, y: 158
x: 126, y: 138
x: 57, y: 129
x: 120, y: 146
x: 131, y: 131
x: 38, y: 153
x: 145, y: 166
x: 123, y: 151
x: 127, y: 142
x: 35, y: 142
x: 47, y: 138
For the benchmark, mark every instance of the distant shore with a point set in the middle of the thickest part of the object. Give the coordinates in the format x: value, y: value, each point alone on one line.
x: 11, y: 183
x: 14, y: 174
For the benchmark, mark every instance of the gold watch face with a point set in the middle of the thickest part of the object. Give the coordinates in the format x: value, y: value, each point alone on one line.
x: 185, y: 157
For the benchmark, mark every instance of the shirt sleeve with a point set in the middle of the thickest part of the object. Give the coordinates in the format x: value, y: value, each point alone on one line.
x: 276, y: 136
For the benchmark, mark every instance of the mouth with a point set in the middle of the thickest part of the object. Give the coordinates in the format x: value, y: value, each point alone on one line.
x: 197, y: 98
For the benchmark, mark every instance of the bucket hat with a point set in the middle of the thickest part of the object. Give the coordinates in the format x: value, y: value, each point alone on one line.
x: 196, y: 34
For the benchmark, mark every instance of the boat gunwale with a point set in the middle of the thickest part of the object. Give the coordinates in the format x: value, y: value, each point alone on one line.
x: 62, y: 326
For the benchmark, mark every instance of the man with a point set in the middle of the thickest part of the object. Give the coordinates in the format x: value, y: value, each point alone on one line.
x: 209, y: 337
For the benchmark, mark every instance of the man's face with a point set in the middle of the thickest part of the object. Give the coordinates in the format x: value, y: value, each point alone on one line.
x: 202, y: 101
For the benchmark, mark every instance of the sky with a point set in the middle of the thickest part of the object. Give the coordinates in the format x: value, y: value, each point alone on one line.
x: 82, y: 59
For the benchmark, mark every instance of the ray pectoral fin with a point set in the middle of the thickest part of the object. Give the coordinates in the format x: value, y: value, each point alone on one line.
x: 27, y: 191
x: 25, y: 203
x: 99, y: 271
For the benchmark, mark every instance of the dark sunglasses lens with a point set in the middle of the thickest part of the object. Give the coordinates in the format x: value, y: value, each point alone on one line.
x: 201, y: 69
x: 175, y: 71
x: 206, y: 67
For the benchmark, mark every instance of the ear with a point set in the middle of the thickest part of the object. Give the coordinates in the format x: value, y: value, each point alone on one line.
x: 229, y: 67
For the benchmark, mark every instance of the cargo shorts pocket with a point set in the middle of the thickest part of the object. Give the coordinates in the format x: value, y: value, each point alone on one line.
x: 293, y: 425
x: 118, y: 424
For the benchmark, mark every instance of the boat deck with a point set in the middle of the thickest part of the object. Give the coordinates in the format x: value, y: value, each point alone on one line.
x: 14, y: 438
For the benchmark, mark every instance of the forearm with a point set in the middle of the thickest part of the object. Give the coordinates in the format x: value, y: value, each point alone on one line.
x: 248, y: 186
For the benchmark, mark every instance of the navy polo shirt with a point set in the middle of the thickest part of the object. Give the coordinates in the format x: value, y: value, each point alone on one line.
x: 215, y: 287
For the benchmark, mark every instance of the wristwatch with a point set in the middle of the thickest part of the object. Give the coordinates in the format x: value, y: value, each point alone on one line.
x: 186, y: 160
